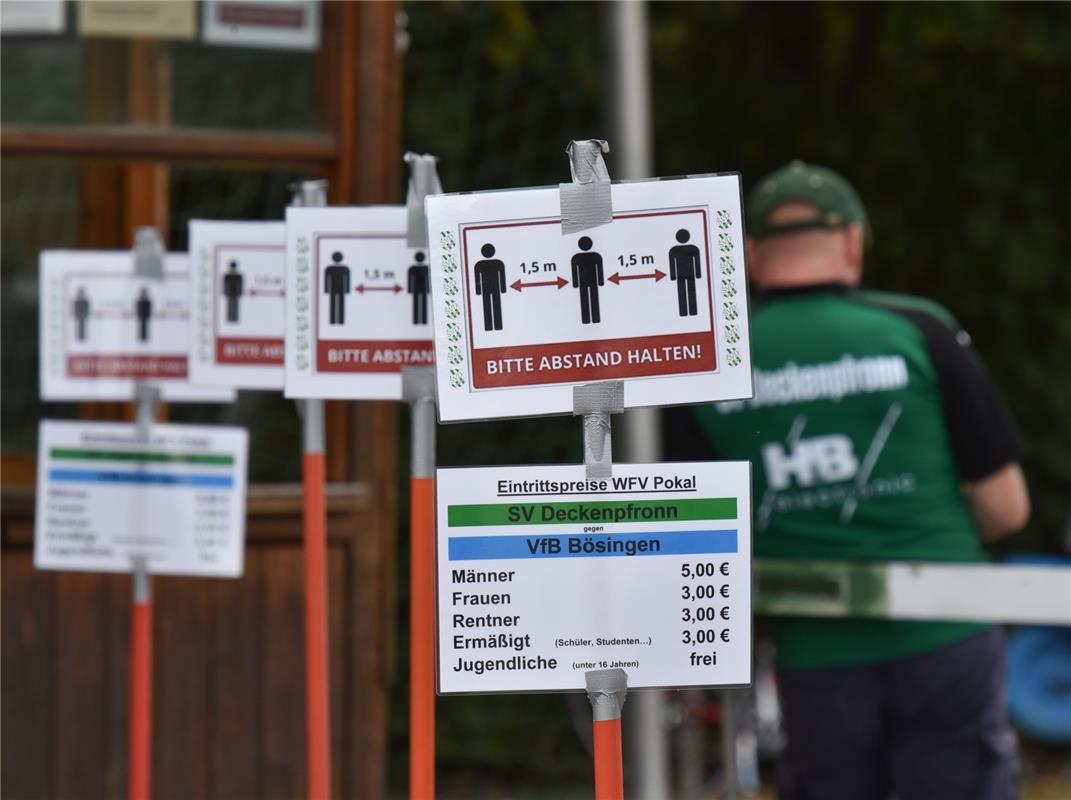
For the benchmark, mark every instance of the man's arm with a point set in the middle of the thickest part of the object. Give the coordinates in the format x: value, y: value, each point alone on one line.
x: 1000, y: 503
x: 501, y: 272
x: 598, y: 268
x: 698, y: 262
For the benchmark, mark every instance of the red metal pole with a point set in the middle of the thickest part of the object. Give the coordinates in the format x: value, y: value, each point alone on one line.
x: 317, y: 714
x: 422, y: 639
x: 609, y: 772
x: 140, y: 723
x: 606, y: 691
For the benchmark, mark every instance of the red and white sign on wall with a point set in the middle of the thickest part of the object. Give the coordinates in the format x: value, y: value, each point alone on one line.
x: 103, y: 328
x: 655, y: 298
x: 361, y: 306
x: 239, y: 304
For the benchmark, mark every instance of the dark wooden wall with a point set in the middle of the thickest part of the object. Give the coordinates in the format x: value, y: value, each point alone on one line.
x: 228, y: 710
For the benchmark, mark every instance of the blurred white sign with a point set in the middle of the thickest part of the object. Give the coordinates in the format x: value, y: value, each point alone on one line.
x: 32, y: 16
x: 283, y: 24
x: 108, y: 494
x: 239, y: 304
x: 102, y: 328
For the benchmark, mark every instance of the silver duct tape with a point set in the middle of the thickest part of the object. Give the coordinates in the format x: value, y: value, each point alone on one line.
x: 148, y: 253
x: 596, y: 402
x: 586, y: 202
x: 142, y: 590
x: 311, y: 194
x: 146, y: 401
x: 607, y: 689
x: 423, y: 181
x: 313, y: 439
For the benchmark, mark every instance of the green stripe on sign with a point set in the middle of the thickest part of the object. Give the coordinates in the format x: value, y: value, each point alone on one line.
x: 67, y: 454
x: 591, y: 511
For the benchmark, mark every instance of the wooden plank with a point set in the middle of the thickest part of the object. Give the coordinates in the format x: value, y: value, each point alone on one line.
x: 282, y: 756
x: 153, y: 143
x: 235, y: 671
x: 79, y: 672
x: 26, y: 711
x: 180, y: 693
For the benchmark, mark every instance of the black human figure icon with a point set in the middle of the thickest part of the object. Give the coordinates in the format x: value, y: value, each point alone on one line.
x: 491, y: 284
x: 587, y: 276
x: 233, y: 285
x: 80, y: 309
x: 419, y: 286
x: 684, y: 268
x: 337, y: 286
x: 143, y: 311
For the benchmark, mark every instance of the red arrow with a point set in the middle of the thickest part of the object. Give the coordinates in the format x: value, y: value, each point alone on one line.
x: 618, y: 277
x: 362, y: 288
x: 559, y: 282
x: 267, y: 292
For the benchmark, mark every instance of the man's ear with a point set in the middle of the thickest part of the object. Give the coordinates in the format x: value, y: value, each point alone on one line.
x: 854, y: 244
x: 751, y: 253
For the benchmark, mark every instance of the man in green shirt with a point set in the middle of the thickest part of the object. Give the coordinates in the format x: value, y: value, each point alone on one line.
x: 875, y: 433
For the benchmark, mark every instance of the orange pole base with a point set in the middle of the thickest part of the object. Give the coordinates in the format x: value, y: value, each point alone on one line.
x: 140, y: 723
x: 317, y: 713
x: 422, y: 639
x: 609, y: 771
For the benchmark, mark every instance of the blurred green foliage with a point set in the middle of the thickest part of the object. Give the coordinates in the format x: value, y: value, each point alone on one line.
x: 952, y: 121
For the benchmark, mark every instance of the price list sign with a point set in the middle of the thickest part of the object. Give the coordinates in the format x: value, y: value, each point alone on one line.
x: 108, y: 494
x: 544, y: 574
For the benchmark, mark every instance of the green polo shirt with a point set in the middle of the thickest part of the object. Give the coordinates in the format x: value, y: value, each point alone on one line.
x: 870, y: 410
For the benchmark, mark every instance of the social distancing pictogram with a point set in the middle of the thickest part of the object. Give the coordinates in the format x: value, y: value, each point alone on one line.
x: 361, y: 305
x: 656, y: 293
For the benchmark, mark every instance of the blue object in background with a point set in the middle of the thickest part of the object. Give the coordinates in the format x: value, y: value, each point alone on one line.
x: 1039, y: 673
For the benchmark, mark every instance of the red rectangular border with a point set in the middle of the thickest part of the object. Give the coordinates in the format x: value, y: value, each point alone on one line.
x: 321, y: 362
x: 96, y: 365
x: 215, y: 305
x: 594, y: 344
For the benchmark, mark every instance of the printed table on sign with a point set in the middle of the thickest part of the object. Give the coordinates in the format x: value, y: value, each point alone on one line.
x: 544, y: 574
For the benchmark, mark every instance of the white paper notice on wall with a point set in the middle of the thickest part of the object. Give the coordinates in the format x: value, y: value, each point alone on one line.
x: 280, y: 24
x: 544, y: 574
x: 239, y: 304
x: 108, y: 494
x: 103, y: 328
x: 656, y: 298
x: 358, y: 306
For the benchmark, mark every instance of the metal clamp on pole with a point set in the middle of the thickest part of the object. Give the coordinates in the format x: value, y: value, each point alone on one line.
x: 418, y: 389
x: 595, y: 402
x: 585, y: 203
x: 423, y: 180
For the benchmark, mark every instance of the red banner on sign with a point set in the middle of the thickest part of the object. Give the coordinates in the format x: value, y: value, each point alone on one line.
x: 605, y: 359
x: 126, y: 366
x: 249, y: 351
x: 373, y: 356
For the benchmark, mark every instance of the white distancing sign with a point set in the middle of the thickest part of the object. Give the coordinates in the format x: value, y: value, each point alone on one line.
x: 358, y: 305
x: 544, y: 574
x: 108, y: 494
x: 102, y: 328
x: 656, y: 298
x: 239, y: 304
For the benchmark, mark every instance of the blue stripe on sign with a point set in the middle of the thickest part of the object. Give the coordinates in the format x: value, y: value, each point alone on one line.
x: 155, y: 478
x: 665, y: 543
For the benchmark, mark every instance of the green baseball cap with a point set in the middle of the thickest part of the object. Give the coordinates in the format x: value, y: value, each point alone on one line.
x: 837, y: 202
